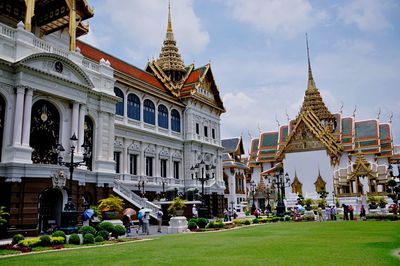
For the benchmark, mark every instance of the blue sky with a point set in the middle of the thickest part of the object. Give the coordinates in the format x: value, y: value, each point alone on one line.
x: 258, y: 53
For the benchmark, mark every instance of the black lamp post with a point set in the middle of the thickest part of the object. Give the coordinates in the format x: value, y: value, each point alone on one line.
x: 203, y: 172
x: 141, y: 187
x: 268, y: 194
x: 69, y: 215
x: 69, y: 206
x: 281, y: 182
x: 253, y: 191
x: 394, y: 184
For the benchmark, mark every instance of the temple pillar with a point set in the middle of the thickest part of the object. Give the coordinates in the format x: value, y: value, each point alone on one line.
x: 27, y: 117
x: 29, y: 12
x: 75, y: 117
x: 81, y: 130
x: 20, y: 91
x: 72, y: 24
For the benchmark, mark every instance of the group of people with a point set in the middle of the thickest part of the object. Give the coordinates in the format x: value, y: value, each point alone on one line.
x: 229, y: 214
x: 144, y: 222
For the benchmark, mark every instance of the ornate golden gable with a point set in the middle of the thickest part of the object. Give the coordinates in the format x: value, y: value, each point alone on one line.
x: 320, y: 184
x: 297, y: 186
x: 361, y: 167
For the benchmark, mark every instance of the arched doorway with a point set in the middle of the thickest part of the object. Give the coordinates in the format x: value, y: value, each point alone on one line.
x: 45, y: 126
x: 50, y: 207
x: 2, y: 115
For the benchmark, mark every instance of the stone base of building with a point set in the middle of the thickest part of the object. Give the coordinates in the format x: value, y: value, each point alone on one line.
x: 177, y: 225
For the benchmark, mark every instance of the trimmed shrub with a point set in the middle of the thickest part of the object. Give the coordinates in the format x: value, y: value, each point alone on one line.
x: 56, y: 240
x: 192, y: 225
x: 263, y: 220
x: 288, y: 218
x: 247, y: 222
x: 33, y: 242
x: 98, y: 239
x: 107, y: 226
x: 256, y: 221
x: 44, y: 240
x: 275, y: 219
x: 119, y: 230
x: 219, y: 224
x: 88, y: 238
x: 74, y: 239
x: 202, y: 222
x: 193, y: 220
x: 211, y: 225
x: 104, y: 234
x: 238, y: 221
x: 16, y: 238
x: 58, y: 233
x: 87, y: 229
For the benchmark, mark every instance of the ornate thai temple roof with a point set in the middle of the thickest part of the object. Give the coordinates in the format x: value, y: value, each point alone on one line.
x: 170, y: 59
x: 312, y: 98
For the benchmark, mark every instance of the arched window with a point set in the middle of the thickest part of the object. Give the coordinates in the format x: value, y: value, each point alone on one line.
x: 119, y: 107
x: 133, y: 106
x: 88, y: 140
x: 45, y: 126
x: 162, y: 116
x: 149, y: 112
x: 175, y: 121
x: 2, y: 115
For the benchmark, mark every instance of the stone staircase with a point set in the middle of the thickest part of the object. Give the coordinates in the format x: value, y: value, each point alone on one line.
x: 122, y: 190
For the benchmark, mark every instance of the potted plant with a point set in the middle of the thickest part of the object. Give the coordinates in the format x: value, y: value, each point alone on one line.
x: 382, y: 202
x: 308, y: 203
x: 111, y: 207
x: 176, y: 207
x: 373, y: 202
x: 3, y: 220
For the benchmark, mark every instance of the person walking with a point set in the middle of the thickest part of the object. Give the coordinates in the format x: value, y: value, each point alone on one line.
x: 194, y: 211
x: 140, y: 218
x: 146, y: 221
x: 159, y: 219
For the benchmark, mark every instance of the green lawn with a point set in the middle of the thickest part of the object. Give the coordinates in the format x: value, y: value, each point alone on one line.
x: 312, y: 243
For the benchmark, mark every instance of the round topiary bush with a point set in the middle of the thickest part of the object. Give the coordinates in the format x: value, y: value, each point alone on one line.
x: 256, y: 221
x: 192, y: 225
x: 119, y: 230
x: 247, y: 222
x: 45, y: 240
x: 219, y: 224
x: 104, y: 234
x: 86, y: 229
x: 107, y: 226
x: 74, y: 239
x: 88, y: 238
x: 16, y: 238
x: 194, y: 220
x: 98, y: 239
x: 58, y: 233
x: 211, y: 225
x: 202, y: 222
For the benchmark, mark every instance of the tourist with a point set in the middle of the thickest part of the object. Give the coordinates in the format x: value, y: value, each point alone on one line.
x: 362, y: 213
x: 226, y: 215
x: 146, y: 221
x: 333, y: 213
x: 345, y: 211
x: 194, y: 211
x: 159, y: 220
x: 140, y: 218
x: 351, y: 211
x: 320, y: 215
x: 234, y: 214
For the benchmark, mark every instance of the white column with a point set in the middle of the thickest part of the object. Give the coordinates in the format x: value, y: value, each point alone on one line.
x: 20, y: 91
x: 99, y: 135
x: 75, y: 117
x: 81, y: 136
x: 125, y: 157
x: 27, y: 117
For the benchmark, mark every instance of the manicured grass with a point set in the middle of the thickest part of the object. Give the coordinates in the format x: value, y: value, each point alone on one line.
x: 312, y: 243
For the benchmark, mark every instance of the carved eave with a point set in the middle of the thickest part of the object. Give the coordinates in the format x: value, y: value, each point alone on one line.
x: 319, y: 183
x: 313, y: 124
x: 297, y: 186
x: 361, y: 167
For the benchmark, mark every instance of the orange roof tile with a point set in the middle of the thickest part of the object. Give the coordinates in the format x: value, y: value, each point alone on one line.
x: 119, y: 65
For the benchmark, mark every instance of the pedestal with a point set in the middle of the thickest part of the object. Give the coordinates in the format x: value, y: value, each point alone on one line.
x: 69, y: 221
x: 177, y: 224
x: 309, y: 215
x: 203, y: 211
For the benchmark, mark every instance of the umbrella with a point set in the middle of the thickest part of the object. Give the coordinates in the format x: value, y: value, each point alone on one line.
x: 87, y: 214
x: 300, y: 208
x: 129, y: 212
x: 145, y: 210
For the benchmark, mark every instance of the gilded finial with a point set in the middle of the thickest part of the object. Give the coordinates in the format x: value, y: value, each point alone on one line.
x: 311, y: 83
x: 169, y: 29
x: 277, y: 121
x: 287, y: 116
x: 341, y: 108
x: 248, y: 133
x: 354, y: 112
x: 379, y: 114
x: 259, y: 128
x: 390, y: 117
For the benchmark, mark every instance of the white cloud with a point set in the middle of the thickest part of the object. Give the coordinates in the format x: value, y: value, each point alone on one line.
x: 143, y: 24
x: 289, y: 17
x: 367, y: 15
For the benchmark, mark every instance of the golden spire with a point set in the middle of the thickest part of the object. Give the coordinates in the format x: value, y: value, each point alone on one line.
x: 170, y: 60
x: 313, y: 99
x: 311, y: 83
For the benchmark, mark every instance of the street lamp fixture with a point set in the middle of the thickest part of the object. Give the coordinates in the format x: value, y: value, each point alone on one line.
x: 268, y: 194
x: 281, y: 181
x: 203, y: 172
x: 71, y: 165
x: 253, y: 191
